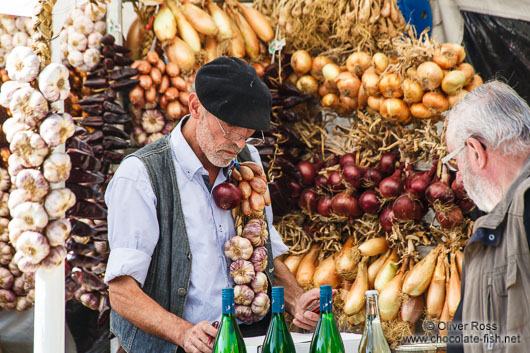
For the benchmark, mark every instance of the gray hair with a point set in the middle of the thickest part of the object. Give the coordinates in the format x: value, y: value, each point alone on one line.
x: 495, y: 113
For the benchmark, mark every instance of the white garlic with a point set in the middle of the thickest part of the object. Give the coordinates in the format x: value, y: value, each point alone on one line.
x: 30, y: 147
x: 94, y: 40
x: 12, y: 126
x: 3, y: 54
x: 84, y: 25
x: 15, y: 228
x: 20, y: 23
x: 70, y: 30
x: 20, y: 39
x: 56, y: 129
x: 4, y: 230
x: 76, y: 13
x: 28, y: 25
x: 63, y: 37
x: 237, y: 248
x: 55, y: 257
x: 152, y: 121
x: 95, y: 12
x: 22, y: 64
x: 57, y: 167
x: 77, y: 41
x: 57, y: 231
x: 7, y: 90
x: 25, y: 263
x: 33, y: 182
x: 32, y: 214
x: 91, y: 58
x: 101, y: 27
x: 75, y: 58
x: 15, y: 164
x: 33, y: 245
x: 16, y: 197
x: 8, y: 23
x: 4, y: 209
x: 58, y: 202
x: 5, y: 181
x: 28, y: 105
x: 6, y: 41
x: 53, y: 82
x: 260, y: 283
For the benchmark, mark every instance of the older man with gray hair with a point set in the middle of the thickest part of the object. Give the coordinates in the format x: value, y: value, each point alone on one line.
x: 488, y: 134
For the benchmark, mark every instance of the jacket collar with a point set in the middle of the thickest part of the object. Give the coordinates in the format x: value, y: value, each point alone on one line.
x: 493, y: 219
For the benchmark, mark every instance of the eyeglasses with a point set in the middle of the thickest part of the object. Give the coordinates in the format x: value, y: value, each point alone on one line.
x: 233, y: 136
x: 450, y: 162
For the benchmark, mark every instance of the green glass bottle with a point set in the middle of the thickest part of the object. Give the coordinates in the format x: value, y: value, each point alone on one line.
x: 278, y: 339
x: 326, y: 338
x: 229, y: 339
x: 373, y: 339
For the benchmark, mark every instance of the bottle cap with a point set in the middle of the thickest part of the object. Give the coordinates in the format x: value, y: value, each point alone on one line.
x: 277, y: 291
x: 372, y: 292
x: 278, y: 304
x: 325, y: 290
x: 228, y: 293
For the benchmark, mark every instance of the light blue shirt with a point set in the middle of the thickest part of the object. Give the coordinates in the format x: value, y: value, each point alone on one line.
x: 133, y: 227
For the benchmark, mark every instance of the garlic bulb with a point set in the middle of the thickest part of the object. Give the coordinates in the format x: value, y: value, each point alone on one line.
x: 33, y: 182
x: 259, y: 259
x: 15, y: 164
x: 8, y: 23
x: 4, y: 199
x: 16, y: 197
x: 91, y: 58
x: 3, y: 54
x: 260, y: 304
x: 56, y: 129
x: 84, y: 25
x: 33, y: 245
x: 242, y: 272
x: 28, y: 25
x: 75, y: 58
x: 101, y: 27
x: 4, y: 230
x: 53, y: 82
x: 57, y: 231
x: 74, y: 14
x: 32, y: 214
x: 30, y: 147
x: 94, y: 12
x: 63, y: 37
x: 7, y: 90
x: 154, y: 137
x: 5, y: 180
x: 58, y: 202
x: 25, y: 262
x: 28, y: 105
x: 243, y: 295
x: 57, y: 167
x: 22, y: 64
x: 6, y: 41
x: 77, y: 41
x: 243, y: 313
x: 20, y: 23
x: 237, y: 248
x: 94, y: 40
x: 253, y: 231
x: 152, y: 121
x: 20, y: 39
x: 260, y: 283
x: 54, y: 258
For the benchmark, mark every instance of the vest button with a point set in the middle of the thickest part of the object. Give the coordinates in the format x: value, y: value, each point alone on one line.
x: 182, y: 291
x: 491, y: 237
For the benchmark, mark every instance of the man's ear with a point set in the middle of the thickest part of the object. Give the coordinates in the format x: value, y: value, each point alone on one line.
x: 193, y: 105
x: 478, y: 153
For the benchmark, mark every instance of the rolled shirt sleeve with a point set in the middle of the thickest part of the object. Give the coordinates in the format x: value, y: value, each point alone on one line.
x: 132, y: 222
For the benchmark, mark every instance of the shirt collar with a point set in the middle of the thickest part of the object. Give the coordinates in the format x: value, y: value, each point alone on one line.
x: 186, y: 158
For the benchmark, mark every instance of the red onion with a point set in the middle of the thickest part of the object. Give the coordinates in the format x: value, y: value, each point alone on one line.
x: 450, y: 219
x: 458, y: 187
x: 369, y: 202
x: 324, y: 206
x: 391, y: 186
x: 321, y: 181
x: 440, y: 191
x: 418, y: 183
x: 348, y: 158
x: 226, y: 196
x: 387, y: 219
x: 420, y: 210
x: 466, y: 205
x: 352, y: 174
x: 335, y: 181
x: 405, y: 208
x: 345, y: 205
x: 295, y: 188
x: 372, y: 177
x: 387, y: 164
x: 308, y: 172
x: 308, y: 200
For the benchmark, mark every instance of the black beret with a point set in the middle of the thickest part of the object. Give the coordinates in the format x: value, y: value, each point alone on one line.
x: 230, y: 89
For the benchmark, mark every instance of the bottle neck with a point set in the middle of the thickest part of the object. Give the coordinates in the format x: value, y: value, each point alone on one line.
x: 372, y: 311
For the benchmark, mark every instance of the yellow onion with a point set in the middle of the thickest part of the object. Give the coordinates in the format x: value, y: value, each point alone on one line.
x: 292, y: 262
x: 436, y: 101
x: 362, y: 98
x: 293, y: 78
x: 374, y: 246
x: 394, y: 109
x: 330, y: 100
x: 318, y: 64
x: 412, y: 91
x: 324, y: 88
x: 358, y: 62
x: 237, y: 43
x: 460, y: 51
x: 436, y: 292
x: 355, y: 298
x: 301, y: 61
x: 187, y: 32
x: 412, y: 72
x: 210, y: 47
x: 134, y: 39
x: 421, y: 111
x: 375, y: 102
x: 165, y: 25
x: 376, y: 266
x: 459, y: 261
x: 446, y: 57
x: 258, y: 22
x: 445, y: 317
x: 330, y: 72
x: 477, y: 81
x: 420, y: 276
x: 390, y: 296
x: 221, y: 20
x: 468, y: 70
x: 453, y: 82
x: 390, y: 85
x: 347, y: 103
x: 387, y: 272
x: 249, y: 36
x: 453, y: 292
x: 412, y: 309
x: 348, y: 84
x: 199, y: 19
x: 456, y: 98
x: 430, y: 75
x: 347, y: 260
x: 380, y: 61
x: 326, y: 273
x: 307, y: 84
x: 306, y: 269
x: 180, y: 52
x: 370, y: 79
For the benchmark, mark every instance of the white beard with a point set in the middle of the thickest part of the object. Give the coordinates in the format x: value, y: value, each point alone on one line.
x: 207, y: 146
x: 484, y: 193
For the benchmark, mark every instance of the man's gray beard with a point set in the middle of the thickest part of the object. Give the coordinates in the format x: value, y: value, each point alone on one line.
x: 484, y: 193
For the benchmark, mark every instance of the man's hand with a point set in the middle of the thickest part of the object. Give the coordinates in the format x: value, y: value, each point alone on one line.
x: 302, y: 317
x: 196, y: 338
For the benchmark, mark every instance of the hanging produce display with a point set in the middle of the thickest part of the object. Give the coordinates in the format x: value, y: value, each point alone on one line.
x: 14, y: 32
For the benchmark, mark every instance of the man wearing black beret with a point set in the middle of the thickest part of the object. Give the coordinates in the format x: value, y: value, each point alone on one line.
x: 167, y: 265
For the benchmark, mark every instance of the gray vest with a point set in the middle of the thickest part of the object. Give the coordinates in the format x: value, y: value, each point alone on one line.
x: 168, y: 276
